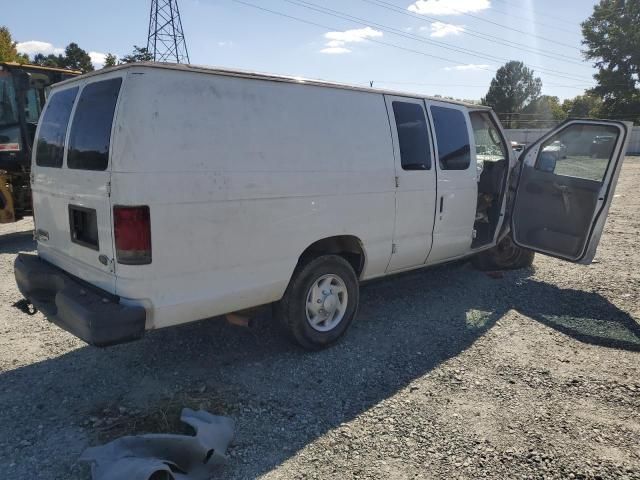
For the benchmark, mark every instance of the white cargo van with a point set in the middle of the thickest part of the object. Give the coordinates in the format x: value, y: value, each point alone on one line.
x: 165, y: 194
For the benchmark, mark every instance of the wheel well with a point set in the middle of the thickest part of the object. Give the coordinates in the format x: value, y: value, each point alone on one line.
x: 347, y: 246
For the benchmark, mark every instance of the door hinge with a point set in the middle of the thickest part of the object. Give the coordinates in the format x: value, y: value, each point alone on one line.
x: 109, y: 188
x: 394, y: 248
x: 397, y: 182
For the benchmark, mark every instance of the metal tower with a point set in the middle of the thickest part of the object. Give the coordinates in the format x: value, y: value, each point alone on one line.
x: 166, y: 41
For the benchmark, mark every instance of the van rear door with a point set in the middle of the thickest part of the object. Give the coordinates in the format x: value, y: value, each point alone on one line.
x: 71, y: 179
x: 565, y: 188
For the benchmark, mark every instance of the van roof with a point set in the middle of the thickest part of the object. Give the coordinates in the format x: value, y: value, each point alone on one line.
x: 227, y: 72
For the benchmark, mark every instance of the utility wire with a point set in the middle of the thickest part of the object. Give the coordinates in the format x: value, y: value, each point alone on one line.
x: 467, y: 31
x: 379, y: 42
x: 557, y: 19
x: 539, y: 37
x: 532, y: 21
x: 395, y: 31
x: 343, y: 15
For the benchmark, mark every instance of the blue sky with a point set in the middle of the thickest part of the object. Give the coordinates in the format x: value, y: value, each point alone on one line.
x: 446, y: 47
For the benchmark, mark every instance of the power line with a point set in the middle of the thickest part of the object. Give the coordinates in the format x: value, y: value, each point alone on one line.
x: 413, y: 36
x: 477, y: 17
x: 530, y: 20
x: 327, y: 27
x: 395, y: 31
x: 557, y: 19
x: 466, y: 31
x: 390, y: 82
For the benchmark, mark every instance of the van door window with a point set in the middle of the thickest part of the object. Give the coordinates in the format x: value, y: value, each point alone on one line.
x: 415, y: 152
x: 53, y: 128
x: 580, y: 151
x: 91, y: 128
x: 454, y: 150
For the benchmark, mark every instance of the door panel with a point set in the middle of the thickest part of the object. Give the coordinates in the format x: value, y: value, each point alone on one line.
x: 415, y: 180
x: 457, y: 181
x: 566, y: 186
x: 71, y: 179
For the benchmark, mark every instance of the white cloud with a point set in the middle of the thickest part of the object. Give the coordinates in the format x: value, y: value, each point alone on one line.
x: 354, y: 35
x: 439, y: 29
x: 470, y: 66
x: 448, y: 7
x: 35, y: 46
x: 225, y: 43
x: 335, y: 50
x: 98, y: 59
x: 337, y: 41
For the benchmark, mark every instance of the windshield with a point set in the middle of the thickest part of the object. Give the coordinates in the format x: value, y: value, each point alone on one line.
x: 8, y: 107
x: 489, y: 144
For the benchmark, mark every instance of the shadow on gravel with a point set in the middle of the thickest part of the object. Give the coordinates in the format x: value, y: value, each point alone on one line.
x: 17, y: 242
x: 585, y: 316
x: 282, y: 398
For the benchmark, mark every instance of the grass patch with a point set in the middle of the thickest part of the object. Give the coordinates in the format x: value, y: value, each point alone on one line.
x: 113, y: 422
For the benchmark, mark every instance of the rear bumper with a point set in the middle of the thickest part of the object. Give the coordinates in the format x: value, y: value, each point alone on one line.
x: 92, y: 314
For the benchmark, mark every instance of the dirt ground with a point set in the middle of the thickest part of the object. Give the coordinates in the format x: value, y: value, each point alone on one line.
x: 448, y: 373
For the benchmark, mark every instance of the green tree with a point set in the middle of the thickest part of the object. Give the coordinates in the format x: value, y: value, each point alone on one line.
x: 612, y: 40
x: 110, y: 60
x: 76, y: 58
x: 512, y: 89
x: 50, y: 60
x: 583, y: 106
x: 543, y: 112
x: 139, y: 54
x: 8, y: 50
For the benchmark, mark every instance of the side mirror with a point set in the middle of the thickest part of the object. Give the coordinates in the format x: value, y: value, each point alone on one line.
x: 547, y: 162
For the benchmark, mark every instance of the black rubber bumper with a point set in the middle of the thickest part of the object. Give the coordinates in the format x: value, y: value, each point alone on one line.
x: 89, y: 313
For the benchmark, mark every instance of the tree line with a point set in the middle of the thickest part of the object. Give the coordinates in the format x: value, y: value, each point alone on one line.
x: 611, y: 40
x: 73, y: 58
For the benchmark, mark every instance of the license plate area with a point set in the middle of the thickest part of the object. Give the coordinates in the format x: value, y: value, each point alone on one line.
x: 83, y: 223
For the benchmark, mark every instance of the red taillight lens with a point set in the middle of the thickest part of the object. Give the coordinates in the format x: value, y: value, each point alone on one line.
x: 132, y: 232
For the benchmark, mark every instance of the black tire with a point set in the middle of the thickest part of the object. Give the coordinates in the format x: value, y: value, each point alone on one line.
x: 504, y: 256
x: 292, y: 309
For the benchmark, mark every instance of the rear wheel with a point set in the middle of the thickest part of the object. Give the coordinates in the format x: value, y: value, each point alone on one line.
x: 504, y: 256
x: 320, y: 302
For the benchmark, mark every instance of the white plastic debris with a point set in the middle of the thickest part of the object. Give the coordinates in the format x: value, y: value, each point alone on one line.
x: 165, y: 456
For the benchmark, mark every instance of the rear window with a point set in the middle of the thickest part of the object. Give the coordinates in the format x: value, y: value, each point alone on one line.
x: 91, y: 128
x: 452, y: 137
x: 53, y: 128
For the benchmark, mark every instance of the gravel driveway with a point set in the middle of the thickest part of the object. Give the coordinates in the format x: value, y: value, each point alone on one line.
x: 448, y: 373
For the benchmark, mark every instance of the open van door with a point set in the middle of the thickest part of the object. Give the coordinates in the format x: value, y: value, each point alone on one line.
x: 566, y: 185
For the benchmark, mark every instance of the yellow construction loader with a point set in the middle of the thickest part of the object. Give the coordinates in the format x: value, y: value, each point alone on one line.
x: 23, y: 90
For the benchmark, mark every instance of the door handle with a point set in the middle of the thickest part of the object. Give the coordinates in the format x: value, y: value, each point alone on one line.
x: 441, y: 203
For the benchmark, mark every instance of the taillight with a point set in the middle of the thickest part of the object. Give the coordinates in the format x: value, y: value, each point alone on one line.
x: 132, y: 232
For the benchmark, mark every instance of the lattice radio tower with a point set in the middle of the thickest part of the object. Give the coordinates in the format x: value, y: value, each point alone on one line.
x: 166, y: 40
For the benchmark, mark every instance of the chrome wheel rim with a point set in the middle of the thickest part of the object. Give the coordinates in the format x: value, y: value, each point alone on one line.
x: 327, y: 301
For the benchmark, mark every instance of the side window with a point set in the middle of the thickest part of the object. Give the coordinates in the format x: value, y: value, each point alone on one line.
x: 413, y: 137
x: 454, y: 151
x: 91, y: 128
x: 53, y: 128
x: 580, y: 151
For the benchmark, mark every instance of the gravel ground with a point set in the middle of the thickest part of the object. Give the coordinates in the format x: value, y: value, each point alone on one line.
x: 448, y: 373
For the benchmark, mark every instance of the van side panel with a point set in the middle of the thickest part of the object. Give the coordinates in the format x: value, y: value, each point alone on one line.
x: 241, y: 176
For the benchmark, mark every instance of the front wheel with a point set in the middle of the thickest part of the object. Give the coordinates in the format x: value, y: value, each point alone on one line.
x: 504, y: 256
x: 320, y: 302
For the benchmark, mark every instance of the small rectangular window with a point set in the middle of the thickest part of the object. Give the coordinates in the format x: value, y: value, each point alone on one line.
x: 53, y: 128
x: 91, y: 128
x: 452, y: 137
x: 413, y: 136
